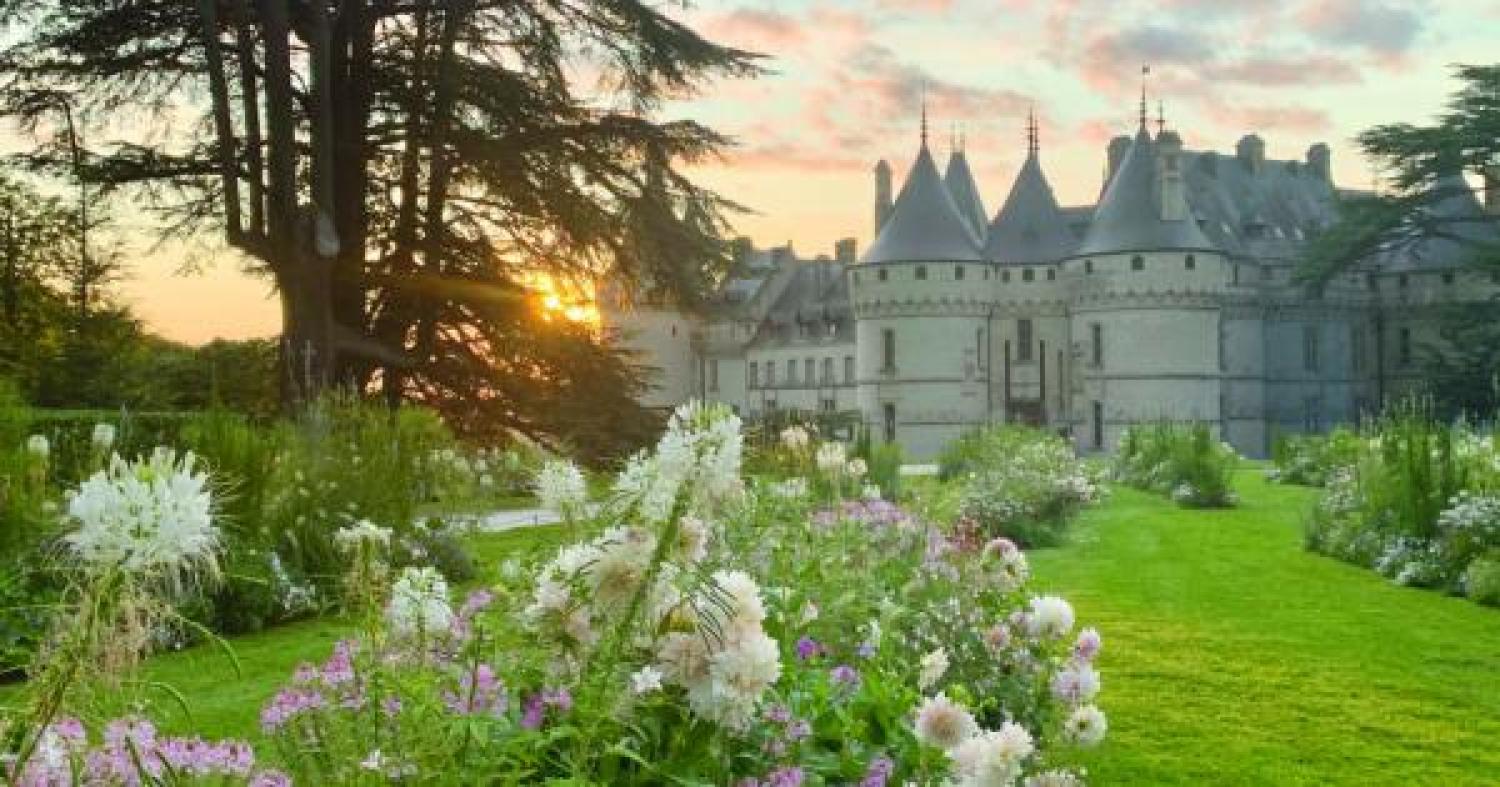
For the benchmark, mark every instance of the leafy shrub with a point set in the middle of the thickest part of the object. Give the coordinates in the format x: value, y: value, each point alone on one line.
x: 1021, y: 483
x: 1309, y: 460
x: 1182, y: 461
x: 1482, y: 579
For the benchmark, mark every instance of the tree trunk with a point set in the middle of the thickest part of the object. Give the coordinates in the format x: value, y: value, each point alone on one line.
x: 218, y: 89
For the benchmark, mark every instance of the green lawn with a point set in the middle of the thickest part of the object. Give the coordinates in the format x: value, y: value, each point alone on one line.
x: 1232, y: 656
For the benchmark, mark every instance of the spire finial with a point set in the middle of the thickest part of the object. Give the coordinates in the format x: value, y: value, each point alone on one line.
x: 1033, y: 141
x: 953, y: 138
x: 924, y: 113
x: 1161, y: 117
x: 1145, y: 72
x: 963, y: 138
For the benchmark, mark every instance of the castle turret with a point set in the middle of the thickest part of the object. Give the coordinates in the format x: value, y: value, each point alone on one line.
x: 965, y: 192
x: 1171, y: 197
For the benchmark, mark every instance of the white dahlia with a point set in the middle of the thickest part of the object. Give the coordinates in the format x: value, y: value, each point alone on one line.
x: 943, y: 723
x: 1086, y: 726
x: 993, y: 759
x: 1050, y: 617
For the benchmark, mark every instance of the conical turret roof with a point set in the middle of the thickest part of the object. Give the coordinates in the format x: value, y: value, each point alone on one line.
x: 1129, y: 217
x: 1030, y: 227
x: 924, y: 225
x: 965, y: 192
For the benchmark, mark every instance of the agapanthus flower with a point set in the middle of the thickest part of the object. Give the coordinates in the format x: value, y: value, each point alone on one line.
x: 561, y: 487
x: 1086, y: 725
x: 1088, y: 644
x: 419, y: 604
x: 993, y: 757
x: 943, y: 723
x: 151, y: 516
x: 1051, y: 617
x: 1076, y: 683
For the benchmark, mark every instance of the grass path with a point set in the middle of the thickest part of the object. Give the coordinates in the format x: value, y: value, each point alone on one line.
x: 1232, y: 656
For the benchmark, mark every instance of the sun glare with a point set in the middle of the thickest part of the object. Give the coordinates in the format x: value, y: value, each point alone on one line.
x: 559, y: 299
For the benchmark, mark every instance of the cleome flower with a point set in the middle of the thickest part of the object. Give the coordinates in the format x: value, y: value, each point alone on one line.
x: 419, y: 604
x: 560, y: 487
x: 151, y: 516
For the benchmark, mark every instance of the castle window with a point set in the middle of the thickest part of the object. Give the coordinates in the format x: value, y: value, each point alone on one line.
x: 754, y: 374
x: 1190, y: 262
x: 827, y: 378
x: 1137, y: 263
x: 713, y: 375
x: 1088, y: 266
x: 1023, y: 341
x: 1027, y: 274
x: 856, y: 277
x: 1448, y: 277
x: 674, y: 329
x: 1051, y: 274
x: 791, y: 371
x: 1310, y: 360
x: 882, y: 274
x: 1403, y: 347
x: 809, y: 371
x: 1402, y: 281
x: 1374, y: 283
x: 986, y: 274
x: 958, y: 272
x: 1098, y: 424
x: 828, y: 405
x: 979, y: 346
x: 770, y: 375
x: 888, y: 349
x: 849, y: 369
x: 1005, y: 276
x: 1096, y: 336
x: 921, y: 273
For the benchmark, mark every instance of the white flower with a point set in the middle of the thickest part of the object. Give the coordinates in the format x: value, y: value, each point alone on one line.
x: 1086, y: 726
x: 742, y: 594
x: 38, y: 446
x: 646, y: 680
x: 740, y: 673
x: 856, y: 468
x: 790, y: 489
x: 794, y: 438
x: 351, y: 538
x: 622, y: 556
x: 692, y: 539
x: 103, y: 437
x: 871, y: 492
x: 832, y: 458
x: 993, y: 758
x: 1050, y: 617
x: 943, y: 723
x: 1076, y: 683
x: 933, y: 667
x: 560, y: 487
x: 419, y: 604
x: 809, y: 612
x: 1056, y: 778
x: 152, y: 515
x: 684, y: 658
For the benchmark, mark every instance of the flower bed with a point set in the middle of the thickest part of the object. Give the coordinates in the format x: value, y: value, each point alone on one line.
x: 1310, y: 460
x: 701, y: 630
x: 1181, y: 461
x: 1419, y: 502
x: 1021, y: 483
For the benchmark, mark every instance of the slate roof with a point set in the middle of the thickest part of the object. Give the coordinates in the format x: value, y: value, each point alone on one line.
x: 1128, y: 216
x: 965, y: 192
x: 924, y: 225
x: 1030, y: 228
x: 1461, y: 216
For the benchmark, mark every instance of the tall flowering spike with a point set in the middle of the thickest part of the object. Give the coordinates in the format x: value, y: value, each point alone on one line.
x: 149, y: 516
x: 561, y: 487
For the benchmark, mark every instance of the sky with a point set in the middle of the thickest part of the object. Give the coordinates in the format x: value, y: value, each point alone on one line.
x: 845, y: 83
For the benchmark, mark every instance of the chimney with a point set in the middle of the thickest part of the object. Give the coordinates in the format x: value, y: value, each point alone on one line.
x: 1251, y: 151
x: 882, y: 194
x: 1320, y: 161
x: 1492, y: 189
x: 845, y: 251
x: 1170, y: 192
x: 1116, y: 154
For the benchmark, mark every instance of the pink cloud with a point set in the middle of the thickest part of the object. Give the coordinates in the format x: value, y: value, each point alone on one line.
x: 768, y: 31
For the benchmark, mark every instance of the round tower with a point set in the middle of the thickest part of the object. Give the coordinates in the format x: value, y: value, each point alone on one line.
x: 1147, y: 288
x: 920, y: 308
